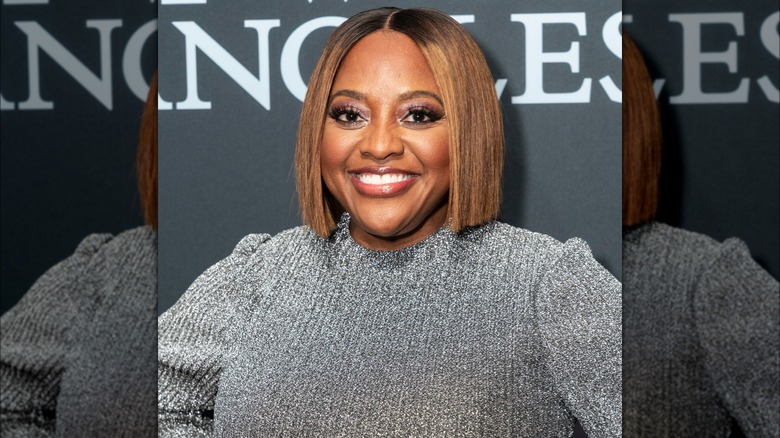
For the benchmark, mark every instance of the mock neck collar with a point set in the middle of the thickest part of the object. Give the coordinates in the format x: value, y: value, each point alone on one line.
x: 435, y: 242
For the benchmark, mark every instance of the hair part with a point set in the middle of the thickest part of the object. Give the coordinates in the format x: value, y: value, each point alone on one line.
x: 146, y: 156
x: 642, y: 139
x: 476, y: 136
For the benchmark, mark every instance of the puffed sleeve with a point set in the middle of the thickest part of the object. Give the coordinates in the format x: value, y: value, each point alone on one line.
x: 736, y: 311
x: 34, y: 342
x: 191, y: 344
x: 579, y: 318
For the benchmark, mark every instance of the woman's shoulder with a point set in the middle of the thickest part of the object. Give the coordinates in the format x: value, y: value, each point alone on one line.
x: 500, y: 234
x: 258, y: 252
x: 566, y: 270
x: 655, y: 245
x: 534, y: 258
x: 292, y: 239
x: 130, y: 255
x: 116, y: 273
x: 141, y: 240
x: 233, y: 278
x: 97, y: 255
x: 658, y: 234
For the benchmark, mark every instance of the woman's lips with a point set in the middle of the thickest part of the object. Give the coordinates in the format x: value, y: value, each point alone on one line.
x: 381, y: 183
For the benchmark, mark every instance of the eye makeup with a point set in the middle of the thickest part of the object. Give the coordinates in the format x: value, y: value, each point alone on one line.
x: 347, y: 115
x: 420, y: 114
x: 414, y: 110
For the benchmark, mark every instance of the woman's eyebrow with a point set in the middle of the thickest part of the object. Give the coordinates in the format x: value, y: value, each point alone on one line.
x: 348, y: 93
x: 409, y: 95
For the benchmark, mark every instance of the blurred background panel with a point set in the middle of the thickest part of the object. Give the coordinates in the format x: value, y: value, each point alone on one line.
x: 73, y: 79
x: 716, y: 73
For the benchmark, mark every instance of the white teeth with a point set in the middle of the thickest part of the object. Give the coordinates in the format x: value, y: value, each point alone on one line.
x: 386, y: 178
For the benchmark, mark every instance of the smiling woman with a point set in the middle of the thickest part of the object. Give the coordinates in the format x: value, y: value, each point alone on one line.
x: 385, y: 146
x: 401, y: 307
x: 457, y: 88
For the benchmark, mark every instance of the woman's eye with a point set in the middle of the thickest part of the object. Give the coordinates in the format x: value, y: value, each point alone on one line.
x: 346, y: 116
x: 421, y: 116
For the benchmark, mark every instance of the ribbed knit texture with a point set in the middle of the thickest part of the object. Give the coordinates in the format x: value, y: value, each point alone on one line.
x: 496, y: 331
x: 701, y: 337
x: 77, y: 353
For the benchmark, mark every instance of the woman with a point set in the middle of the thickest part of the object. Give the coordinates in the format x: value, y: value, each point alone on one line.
x: 77, y: 354
x: 701, y: 336
x: 401, y: 307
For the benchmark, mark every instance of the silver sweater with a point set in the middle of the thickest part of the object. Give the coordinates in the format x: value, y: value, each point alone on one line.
x: 496, y: 331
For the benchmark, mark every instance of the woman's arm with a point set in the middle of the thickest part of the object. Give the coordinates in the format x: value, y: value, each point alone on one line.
x: 34, y: 342
x: 191, y: 345
x: 736, y: 310
x: 579, y: 311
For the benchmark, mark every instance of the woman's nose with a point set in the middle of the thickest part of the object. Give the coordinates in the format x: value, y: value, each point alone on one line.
x: 382, y: 143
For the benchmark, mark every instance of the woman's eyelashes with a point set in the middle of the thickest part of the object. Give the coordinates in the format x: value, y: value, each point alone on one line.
x: 421, y: 116
x: 347, y: 116
x: 413, y: 116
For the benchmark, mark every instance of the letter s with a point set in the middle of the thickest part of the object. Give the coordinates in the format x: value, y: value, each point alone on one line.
x: 771, y: 41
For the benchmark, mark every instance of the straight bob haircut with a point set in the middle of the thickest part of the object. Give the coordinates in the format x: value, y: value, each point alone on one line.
x: 476, y: 135
x: 641, y: 139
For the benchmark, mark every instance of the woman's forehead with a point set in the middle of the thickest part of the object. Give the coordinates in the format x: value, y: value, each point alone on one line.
x: 385, y: 61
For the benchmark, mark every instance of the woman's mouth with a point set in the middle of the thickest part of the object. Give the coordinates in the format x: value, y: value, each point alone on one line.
x: 382, y: 182
x: 387, y: 178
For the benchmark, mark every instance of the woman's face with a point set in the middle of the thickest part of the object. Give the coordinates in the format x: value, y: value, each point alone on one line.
x: 385, y: 145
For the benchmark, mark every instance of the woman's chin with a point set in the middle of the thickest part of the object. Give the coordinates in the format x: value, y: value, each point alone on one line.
x: 385, y: 235
x: 394, y: 228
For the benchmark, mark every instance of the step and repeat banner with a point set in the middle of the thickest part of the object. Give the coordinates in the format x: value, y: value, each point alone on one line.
x: 233, y: 76
x: 715, y: 70
x: 73, y: 79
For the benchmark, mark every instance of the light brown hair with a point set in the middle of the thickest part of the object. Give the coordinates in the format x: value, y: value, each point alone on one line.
x: 476, y: 136
x: 641, y: 139
x: 146, y: 156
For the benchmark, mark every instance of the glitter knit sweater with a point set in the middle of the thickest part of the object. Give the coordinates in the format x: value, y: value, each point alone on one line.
x: 701, y: 337
x: 77, y: 352
x: 495, y: 331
